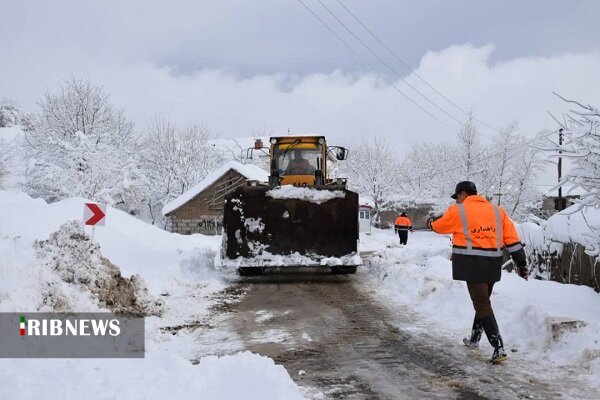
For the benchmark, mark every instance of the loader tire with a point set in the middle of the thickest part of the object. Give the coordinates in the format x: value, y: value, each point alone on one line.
x: 250, y: 271
x: 344, y: 270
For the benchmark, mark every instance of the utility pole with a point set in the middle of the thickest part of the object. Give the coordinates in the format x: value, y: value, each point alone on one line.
x: 560, y: 142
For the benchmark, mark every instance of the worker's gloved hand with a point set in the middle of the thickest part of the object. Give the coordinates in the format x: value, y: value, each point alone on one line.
x: 412, y: 231
x: 429, y: 221
x: 523, y: 272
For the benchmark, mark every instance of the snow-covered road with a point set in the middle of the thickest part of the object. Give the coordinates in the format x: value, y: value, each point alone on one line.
x: 336, y: 339
x: 393, y: 330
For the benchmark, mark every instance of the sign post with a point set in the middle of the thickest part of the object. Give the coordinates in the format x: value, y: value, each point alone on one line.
x: 94, y: 214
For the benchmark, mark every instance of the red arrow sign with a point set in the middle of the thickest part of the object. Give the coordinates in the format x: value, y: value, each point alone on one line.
x: 93, y: 214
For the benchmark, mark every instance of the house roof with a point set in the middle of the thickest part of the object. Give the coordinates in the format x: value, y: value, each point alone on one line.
x: 568, y: 189
x: 250, y: 171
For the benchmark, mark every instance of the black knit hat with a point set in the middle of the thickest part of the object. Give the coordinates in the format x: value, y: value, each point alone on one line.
x: 464, y: 186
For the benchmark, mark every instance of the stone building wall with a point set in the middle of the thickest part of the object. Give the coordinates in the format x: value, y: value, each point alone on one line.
x: 204, y: 213
x: 416, y: 214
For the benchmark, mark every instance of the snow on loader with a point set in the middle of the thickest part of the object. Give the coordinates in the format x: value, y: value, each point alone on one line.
x: 299, y: 218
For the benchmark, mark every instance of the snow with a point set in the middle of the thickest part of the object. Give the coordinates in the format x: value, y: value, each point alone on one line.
x: 266, y: 259
x: 568, y: 189
x: 135, y: 246
x: 11, y: 133
x: 254, y: 224
x: 419, y: 276
x: 574, y: 225
x: 241, y: 376
x: 250, y: 171
x: 366, y: 201
x: 178, y: 268
x: 14, y: 176
x: 416, y: 277
x: 305, y: 193
x: 532, y: 235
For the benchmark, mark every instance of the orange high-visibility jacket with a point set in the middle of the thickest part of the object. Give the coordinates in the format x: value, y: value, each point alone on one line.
x: 403, y: 223
x: 480, y: 230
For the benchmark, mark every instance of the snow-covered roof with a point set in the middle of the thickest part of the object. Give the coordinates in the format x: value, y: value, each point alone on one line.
x: 365, y: 201
x: 250, y: 171
x: 568, y: 189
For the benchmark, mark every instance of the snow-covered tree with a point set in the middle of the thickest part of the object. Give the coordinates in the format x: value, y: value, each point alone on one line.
x: 11, y: 115
x: 470, y: 151
x: 503, y: 169
x: 81, y: 145
x: 511, y: 173
x: 373, y: 170
x: 175, y: 159
x: 427, y: 169
x: 581, y: 130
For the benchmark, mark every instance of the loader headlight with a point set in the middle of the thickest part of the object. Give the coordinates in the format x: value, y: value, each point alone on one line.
x: 321, y: 141
x: 273, y: 140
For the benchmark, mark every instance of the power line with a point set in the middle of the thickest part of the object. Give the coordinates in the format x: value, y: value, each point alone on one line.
x: 371, y: 66
x: 410, y: 68
x: 386, y: 64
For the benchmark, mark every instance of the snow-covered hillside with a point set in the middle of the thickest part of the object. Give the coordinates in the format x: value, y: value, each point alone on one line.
x: 180, y: 276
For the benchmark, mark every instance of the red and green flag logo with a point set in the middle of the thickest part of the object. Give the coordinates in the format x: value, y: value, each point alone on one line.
x: 22, y: 325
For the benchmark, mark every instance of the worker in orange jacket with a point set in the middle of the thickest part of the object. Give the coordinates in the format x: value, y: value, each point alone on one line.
x: 480, y: 231
x: 402, y: 225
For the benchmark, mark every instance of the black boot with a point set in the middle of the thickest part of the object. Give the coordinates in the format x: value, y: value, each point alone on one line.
x: 490, y: 326
x: 476, y: 332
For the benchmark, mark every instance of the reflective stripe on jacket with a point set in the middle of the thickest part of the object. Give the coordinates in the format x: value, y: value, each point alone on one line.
x: 480, y: 230
x: 403, y: 223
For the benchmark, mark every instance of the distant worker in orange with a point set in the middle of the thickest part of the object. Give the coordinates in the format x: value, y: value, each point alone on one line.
x: 480, y: 231
x: 402, y: 225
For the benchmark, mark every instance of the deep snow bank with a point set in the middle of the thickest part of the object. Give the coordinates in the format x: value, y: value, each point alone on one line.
x: 133, y: 245
x: 47, y: 263
x: 419, y: 276
x: 240, y: 376
x: 572, y: 225
x: 77, y: 260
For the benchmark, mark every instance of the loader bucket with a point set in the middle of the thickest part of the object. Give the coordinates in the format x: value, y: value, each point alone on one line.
x: 261, y: 228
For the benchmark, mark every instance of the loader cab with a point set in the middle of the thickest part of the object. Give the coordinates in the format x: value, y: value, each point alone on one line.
x: 298, y: 160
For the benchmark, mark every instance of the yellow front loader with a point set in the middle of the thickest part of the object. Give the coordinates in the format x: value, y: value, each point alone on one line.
x: 299, y: 218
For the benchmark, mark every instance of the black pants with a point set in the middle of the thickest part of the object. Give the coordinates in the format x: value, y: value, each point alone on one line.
x: 403, y: 234
x: 485, y: 320
x: 480, y: 293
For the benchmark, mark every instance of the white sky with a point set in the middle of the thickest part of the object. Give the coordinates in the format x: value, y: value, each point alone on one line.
x: 241, y: 67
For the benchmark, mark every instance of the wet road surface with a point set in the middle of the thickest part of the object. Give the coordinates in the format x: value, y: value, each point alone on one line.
x: 333, y: 336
